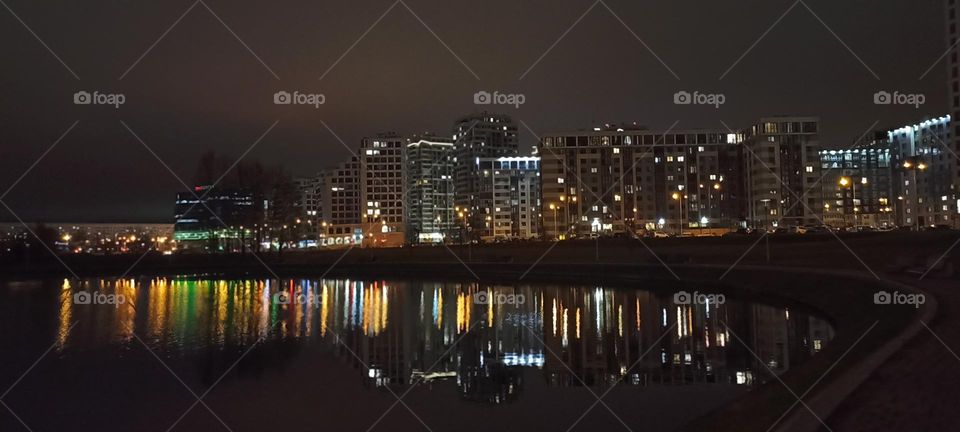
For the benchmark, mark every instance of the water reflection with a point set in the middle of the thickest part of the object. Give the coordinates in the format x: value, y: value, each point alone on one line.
x: 398, y: 333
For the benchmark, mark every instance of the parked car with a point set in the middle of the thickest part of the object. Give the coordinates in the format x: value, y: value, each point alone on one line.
x: 817, y: 229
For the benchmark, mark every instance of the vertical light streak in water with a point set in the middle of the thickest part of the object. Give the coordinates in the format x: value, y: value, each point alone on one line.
x: 438, y: 307
x: 264, y: 308
x: 66, y: 314
x: 620, y: 320
x: 565, y: 332
x: 689, y: 320
x: 385, y: 305
x: 578, y: 323
x: 324, y: 310
x: 422, y: 311
x: 554, y: 314
x: 461, y: 300
x: 157, y: 311
x: 680, y: 326
x: 597, y: 305
x: 126, y: 312
x: 347, y: 300
x: 638, y: 314
x: 490, y: 309
x: 220, y: 324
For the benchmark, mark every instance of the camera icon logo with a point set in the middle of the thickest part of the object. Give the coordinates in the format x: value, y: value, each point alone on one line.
x: 882, y: 298
x: 482, y: 98
x: 82, y: 298
x: 481, y: 298
x: 682, y: 298
x: 882, y: 98
x: 282, y: 98
x: 281, y: 298
x: 682, y: 98
x: 82, y: 98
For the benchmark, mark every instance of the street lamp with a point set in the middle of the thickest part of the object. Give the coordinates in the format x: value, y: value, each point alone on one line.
x: 913, y: 167
x: 679, y: 199
x: 556, y: 229
x: 845, y: 182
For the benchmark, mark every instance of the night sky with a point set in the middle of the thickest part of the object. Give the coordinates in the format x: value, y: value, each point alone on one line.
x: 201, y: 89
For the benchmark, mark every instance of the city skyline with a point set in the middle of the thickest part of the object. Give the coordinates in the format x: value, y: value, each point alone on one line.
x: 225, y: 102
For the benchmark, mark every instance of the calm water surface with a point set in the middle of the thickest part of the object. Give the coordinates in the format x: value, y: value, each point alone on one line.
x: 337, y: 354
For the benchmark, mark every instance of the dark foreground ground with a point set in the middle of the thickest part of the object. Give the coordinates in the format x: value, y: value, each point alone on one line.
x: 915, y: 389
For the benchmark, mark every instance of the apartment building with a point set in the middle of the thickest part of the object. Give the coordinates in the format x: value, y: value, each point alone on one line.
x: 483, y: 135
x: 628, y: 179
x: 781, y: 172
x: 428, y: 165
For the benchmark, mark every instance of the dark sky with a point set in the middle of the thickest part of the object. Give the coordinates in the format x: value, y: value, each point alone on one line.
x: 199, y: 88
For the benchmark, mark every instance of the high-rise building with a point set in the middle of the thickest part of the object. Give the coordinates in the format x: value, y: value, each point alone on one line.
x: 924, y: 173
x: 483, y: 135
x: 340, y: 220
x: 381, y: 188
x: 310, y: 206
x: 627, y: 179
x: 858, y: 184
x: 781, y: 172
x: 953, y: 83
x: 430, y: 217
x: 513, y: 187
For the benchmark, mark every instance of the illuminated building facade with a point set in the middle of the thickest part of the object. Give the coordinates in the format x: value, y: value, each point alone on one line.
x: 382, y: 189
x: 509, y: 198
x: 212, y: 219
x: 430, y: 217
x: 781, y: 170
x: 924, y: 173
x: 310, y: 206
x: 340, y: 220
x: 626, y: 178
x: 483, y: 135
x: 953, y: 81
x: 858, y: 185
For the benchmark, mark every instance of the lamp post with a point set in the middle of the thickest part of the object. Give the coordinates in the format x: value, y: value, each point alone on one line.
x: 556, y: 229
x: 679, y: 198
x: 913, y: 166
x: 844, y: 182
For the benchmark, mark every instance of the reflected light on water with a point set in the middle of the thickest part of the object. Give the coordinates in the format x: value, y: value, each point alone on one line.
x: 399, y: 330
